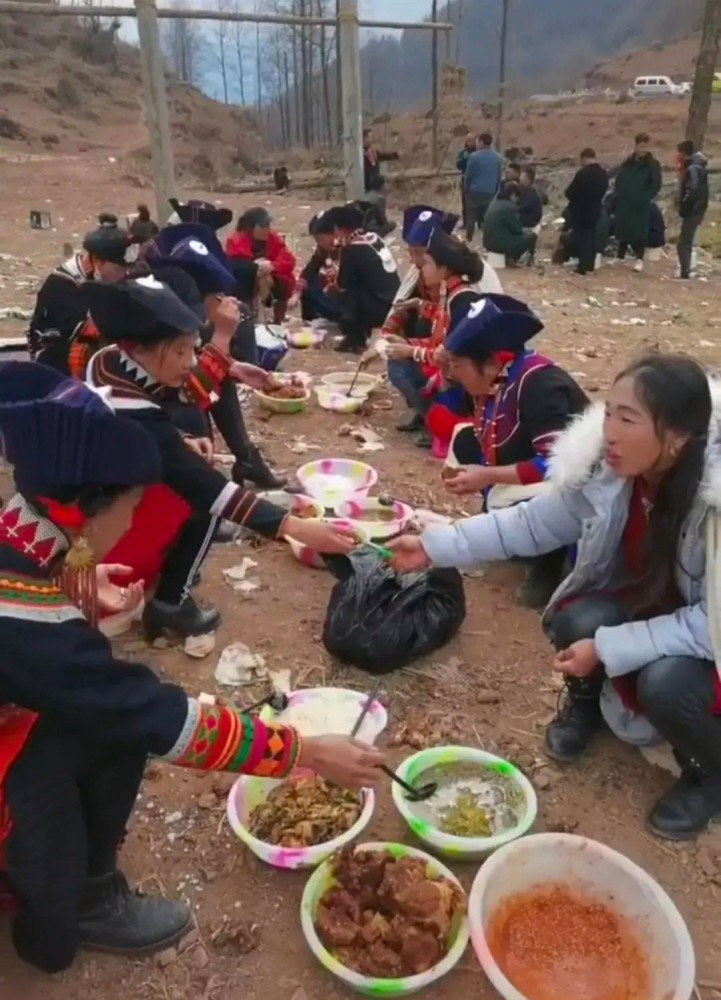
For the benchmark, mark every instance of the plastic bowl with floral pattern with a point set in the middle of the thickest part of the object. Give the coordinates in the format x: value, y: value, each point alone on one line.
x: 413, y: 770
x: 322, y: 880
x: 311, y: 557
x: 374, y: 519
x: 249, y: 792
x: 333, y: 480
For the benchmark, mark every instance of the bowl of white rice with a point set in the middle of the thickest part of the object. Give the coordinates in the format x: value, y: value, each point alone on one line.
x: 327, y: 710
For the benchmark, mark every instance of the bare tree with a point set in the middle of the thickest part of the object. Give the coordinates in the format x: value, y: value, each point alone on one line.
x: 240, y: 57
x: 219, y: 35
x: 182, y: 44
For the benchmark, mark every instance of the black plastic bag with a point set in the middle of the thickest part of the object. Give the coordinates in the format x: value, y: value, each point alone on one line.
x: 380, y: 621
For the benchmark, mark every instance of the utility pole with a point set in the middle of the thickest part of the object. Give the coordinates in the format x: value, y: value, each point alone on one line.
x: 348, y: 33
x: 434, y: 74
x: 705, y: 68
x: 502, y: 75
x: 155, y: 101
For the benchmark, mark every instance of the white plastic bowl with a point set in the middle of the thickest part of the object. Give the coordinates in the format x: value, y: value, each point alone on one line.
x: 305, y: 336
x: 375, y: 721
x: 338, y: 401
x: 375, y: 529
x: 341, y: 381
x: 322, y: 879
x: 598, y: 870
x: 249, y: 792
x: 332, y: 480
x: 412, y: 771
x: 293, y: 502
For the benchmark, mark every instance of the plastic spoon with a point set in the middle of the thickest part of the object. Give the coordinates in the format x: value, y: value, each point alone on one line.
x: 419, y: 794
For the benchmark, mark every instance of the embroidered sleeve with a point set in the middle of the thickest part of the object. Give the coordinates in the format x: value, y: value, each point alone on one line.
x: 202, y: 386
x: 395, y: 324
x: 219, y: 739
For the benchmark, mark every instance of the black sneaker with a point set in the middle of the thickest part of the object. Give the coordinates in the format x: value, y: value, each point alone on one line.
x: 424, y: 440
x: 688, y: 807
x: 114, y: 919
x: 412, y: 423
x: 182, y: 620
x: 569, y: 735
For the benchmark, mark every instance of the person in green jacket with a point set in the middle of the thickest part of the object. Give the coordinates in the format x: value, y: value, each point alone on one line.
x: 503, y: 231
x: 638, y: 181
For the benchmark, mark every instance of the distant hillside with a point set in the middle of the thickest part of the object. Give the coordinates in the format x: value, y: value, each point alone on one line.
x: 68, y: 89
x: 675, y: 59
x: 553, y: 41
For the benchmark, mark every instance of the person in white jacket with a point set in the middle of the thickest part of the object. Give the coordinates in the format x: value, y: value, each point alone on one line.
x: 635, y: 622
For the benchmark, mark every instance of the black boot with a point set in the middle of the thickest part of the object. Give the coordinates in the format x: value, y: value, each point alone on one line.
x: 687, y: 808
x: 182, y: 620
x: 114, y: 919
x: 254, y: 468
x: 543, y: 577
x: 412, y: 423
x: 570, y: 733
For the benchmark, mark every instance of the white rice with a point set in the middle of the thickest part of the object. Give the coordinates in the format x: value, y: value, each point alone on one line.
x: 328, y: 713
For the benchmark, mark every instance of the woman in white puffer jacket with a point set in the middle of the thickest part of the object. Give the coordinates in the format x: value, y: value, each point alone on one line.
x: 638, y: 492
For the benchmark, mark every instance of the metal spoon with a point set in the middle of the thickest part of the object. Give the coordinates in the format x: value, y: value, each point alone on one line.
x: 277, y: 700
x: 368, y: 704
x: 419, y: 794
x: 351, y: 387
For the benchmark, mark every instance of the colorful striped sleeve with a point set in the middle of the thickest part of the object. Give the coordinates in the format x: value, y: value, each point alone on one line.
x: 217, y: 738
x: 202, y: 386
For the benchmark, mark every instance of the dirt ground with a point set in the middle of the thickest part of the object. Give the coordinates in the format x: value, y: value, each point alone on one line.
x: 491, y: 687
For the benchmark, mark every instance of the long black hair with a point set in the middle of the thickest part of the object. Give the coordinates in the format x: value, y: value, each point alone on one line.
x: 253, y: 217
x: 674, y: 389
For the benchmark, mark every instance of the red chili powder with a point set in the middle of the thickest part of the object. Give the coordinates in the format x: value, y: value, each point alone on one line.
x: 555, y: 944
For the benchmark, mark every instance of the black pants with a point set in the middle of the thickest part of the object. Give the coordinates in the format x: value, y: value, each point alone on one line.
x: 676, y: 693
x: 184, y: 559
x: 689, y: 225
x: 639, y: 249
x: 476, y: 208
x: 586, y: 245
x: 361, y: 311
x: 70, y: 799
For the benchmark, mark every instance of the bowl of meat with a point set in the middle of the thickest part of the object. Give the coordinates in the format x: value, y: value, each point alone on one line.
x: 298, y: 822
x: 285, y: 397
x: 386, y: 919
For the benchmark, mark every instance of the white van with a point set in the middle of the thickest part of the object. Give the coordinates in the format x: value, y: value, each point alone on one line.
x: 655, y: 86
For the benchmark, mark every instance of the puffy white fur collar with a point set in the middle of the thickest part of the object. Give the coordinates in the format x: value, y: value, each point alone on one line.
x: 578, y: 452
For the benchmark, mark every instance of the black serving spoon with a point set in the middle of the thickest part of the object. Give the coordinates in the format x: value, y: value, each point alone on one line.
x: 277, y: 700
x: 418, y: 794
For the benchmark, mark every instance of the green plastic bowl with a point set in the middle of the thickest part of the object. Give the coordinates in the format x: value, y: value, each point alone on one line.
x: 413, y: 769
x: 322, y: 879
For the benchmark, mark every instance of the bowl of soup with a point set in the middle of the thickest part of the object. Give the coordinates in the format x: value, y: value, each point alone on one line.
x: 481, y: 801
x: 374, y: 519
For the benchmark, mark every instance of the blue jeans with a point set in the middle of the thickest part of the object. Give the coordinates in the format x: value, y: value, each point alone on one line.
x: 409, y: 380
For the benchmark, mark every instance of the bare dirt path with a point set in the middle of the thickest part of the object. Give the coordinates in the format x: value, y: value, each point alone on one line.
x: 490, y: 687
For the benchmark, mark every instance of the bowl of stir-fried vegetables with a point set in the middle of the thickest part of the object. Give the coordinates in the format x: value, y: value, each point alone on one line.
x: 481, y: 801
x: 297, y: 822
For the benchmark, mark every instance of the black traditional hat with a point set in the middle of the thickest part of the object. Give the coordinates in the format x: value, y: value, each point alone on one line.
x: 493, y: 323
x: 419, y: 221
x: 204, y: 212
x: 109, y: 242
x: 141, y: 310
x: 197, y: 250
x: 350, y: 216
x: 59, y: 435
